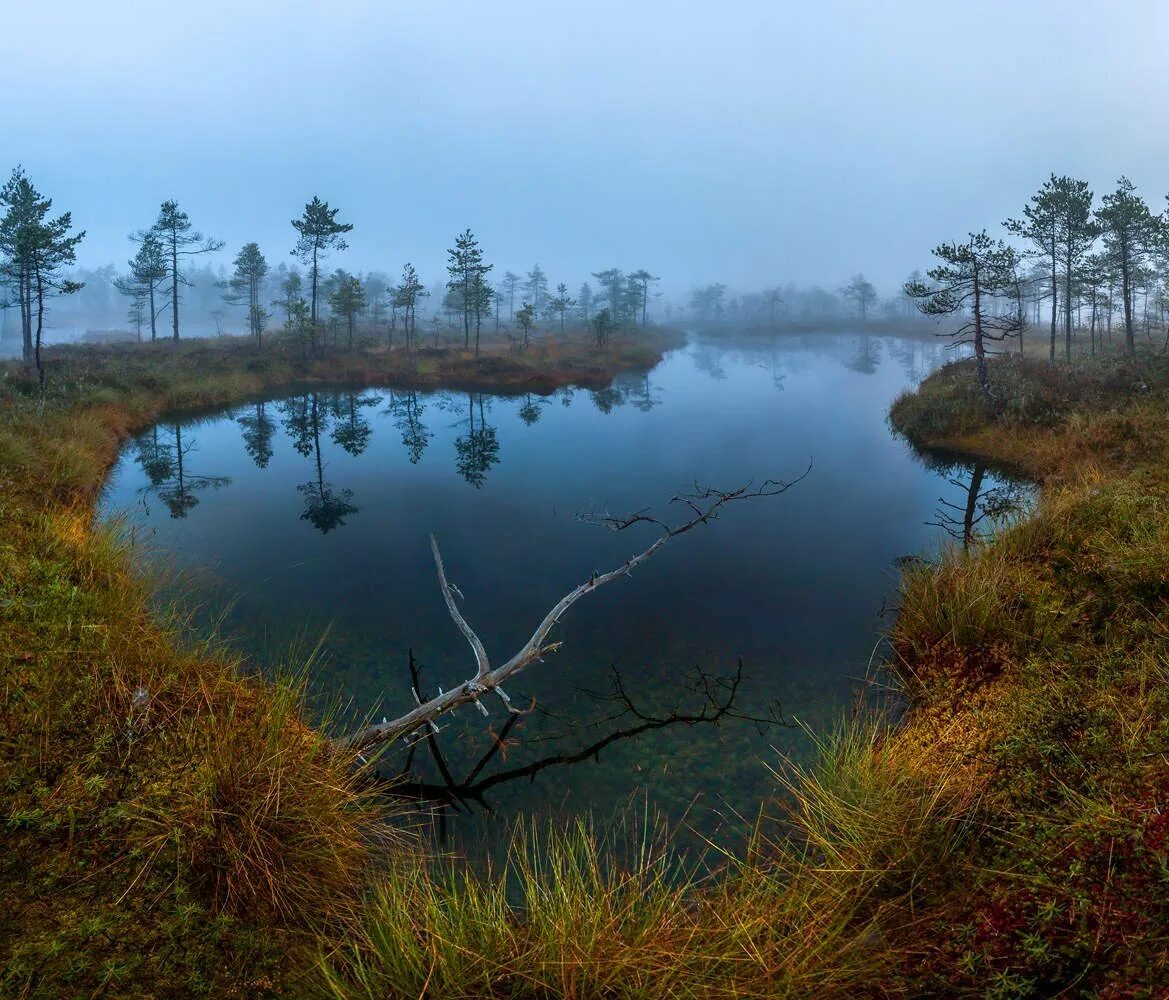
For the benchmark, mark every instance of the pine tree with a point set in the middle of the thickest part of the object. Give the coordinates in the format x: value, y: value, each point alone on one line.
x: 347, y: 299
x: 970, y: 275
x: 245, y: 282
x: 861, y: 293
x: 536, y: 288
x: 469, y: 292
x: 612, y: 281
x: 1040, y: 227
x: 1131, y: 232
x: 173, y: 230
x: 1076, y: 233
x: 561, y: 303
x: 319, y: 232
x: 584, y: 301
x: 525, y: 316
x: 406, y: 297
x: 509, y: 285
x: 25, y: 209
x: 643, y: 279
x: 148, y: 269
x: 35, y: 248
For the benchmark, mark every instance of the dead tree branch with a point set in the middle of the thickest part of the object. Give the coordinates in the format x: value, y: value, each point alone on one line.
x: 718, y: 695
x: 704, y: 505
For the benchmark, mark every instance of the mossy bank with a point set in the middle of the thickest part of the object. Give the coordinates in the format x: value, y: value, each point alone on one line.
x: 1038, y: 665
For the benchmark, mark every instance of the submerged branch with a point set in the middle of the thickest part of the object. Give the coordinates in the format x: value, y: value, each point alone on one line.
x: 704, y: 504
x: 719, y: 694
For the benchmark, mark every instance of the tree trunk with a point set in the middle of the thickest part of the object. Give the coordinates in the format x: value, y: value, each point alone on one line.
x: 1092, y: 327
x: 179, y: 458
x: 979, y: 347
x: 40, y: 326
x: 1130, y: 343
x: 1054, y: 304
x: 314, y: 308
x: 174, y: 283
x: 466, y: 311
x: 976, y: 475
x: 25, y: 295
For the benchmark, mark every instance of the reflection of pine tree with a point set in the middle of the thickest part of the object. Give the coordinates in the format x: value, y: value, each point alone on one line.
x: 530, y: 410
x: 709, y: 359
x: 605, y: 399
x: 157, y: 459
x: 325, y: 507
x: 351, y: 430
x: 868, y: 356
x: 305, y: 419
x: 643, y: 395
x: 407, y: 410
x: 478, y: 450
x: 258, y: 429
x: 165, y: 467
x: 962, y: 520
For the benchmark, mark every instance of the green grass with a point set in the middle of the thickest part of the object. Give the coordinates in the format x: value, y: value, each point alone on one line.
x: 804, y: 912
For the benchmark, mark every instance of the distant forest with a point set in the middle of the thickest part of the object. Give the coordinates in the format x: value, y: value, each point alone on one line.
x: 1067, y: 263
x: 173, y: 268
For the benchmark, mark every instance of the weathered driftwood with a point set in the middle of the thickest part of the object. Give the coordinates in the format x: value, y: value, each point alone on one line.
x: 704, y: 505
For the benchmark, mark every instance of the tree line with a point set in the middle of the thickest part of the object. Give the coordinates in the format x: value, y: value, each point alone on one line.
x: 857, y: 298
x: 1109, y: 260
x: 35, y: 252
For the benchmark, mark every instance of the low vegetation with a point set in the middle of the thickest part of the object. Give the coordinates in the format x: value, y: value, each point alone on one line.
x: 1040, y: 662
x: 173, y: 826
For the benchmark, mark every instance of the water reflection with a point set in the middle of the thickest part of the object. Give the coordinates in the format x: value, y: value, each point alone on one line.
x: 477, y: 450
x: 341, y: 416
x: 258, y: 429
x: 530, y: 409
x: 168, y: 476
x: 606, y: 399
x: 306, y: 418
x: 861, y: 353
x: 458, y: 778
x: 983, y: 505
x: 407, y: 408
x: 351, y: 430
x: 868, y: 356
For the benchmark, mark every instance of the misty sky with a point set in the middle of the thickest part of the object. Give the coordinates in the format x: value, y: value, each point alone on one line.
x: 747, y: 142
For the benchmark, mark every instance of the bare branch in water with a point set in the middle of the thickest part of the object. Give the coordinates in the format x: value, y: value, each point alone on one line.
x: 719, y: 694
x: 704, y: 505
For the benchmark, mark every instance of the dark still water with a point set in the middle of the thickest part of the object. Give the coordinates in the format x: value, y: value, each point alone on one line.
x: 309, y: 515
